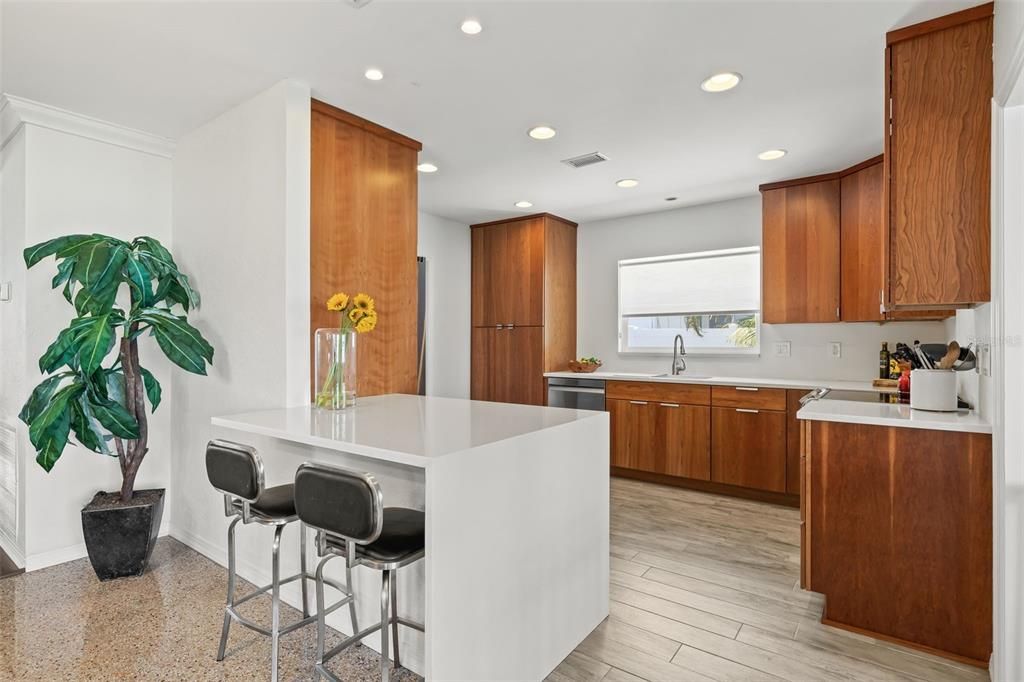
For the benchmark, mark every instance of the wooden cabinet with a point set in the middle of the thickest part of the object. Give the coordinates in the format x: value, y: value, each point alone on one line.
x: 748, y: 448
x: 363, y: 174
x: 938, y: 160
x: 862, y: 243
x: 898, y: 533
x: 661, y: 437
x: 800, y: 251
x: 508, y: 274
x: 793, y: 397
x: 523, y: 306
x: 504, y: 363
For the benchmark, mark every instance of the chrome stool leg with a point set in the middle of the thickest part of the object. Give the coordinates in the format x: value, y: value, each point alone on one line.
x: 275, y: 606
x: 394, y: 616
x: 385, y: 593
x: 302, y: 570
x: 350, y: 552
x: 231, y: 590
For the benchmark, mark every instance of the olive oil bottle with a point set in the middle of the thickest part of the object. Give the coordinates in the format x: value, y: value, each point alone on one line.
x: 883, y: 361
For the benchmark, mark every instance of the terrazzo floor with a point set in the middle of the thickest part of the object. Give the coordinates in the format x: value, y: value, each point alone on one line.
x: 60, y: 623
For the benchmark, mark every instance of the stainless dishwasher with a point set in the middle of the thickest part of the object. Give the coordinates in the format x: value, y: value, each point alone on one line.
x: 578, y: 394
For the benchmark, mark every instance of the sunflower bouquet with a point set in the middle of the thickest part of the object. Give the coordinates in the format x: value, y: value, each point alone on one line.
x: 335, y: 349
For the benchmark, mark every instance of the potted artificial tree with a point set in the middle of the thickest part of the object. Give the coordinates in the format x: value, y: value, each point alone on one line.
x: 101, y: 396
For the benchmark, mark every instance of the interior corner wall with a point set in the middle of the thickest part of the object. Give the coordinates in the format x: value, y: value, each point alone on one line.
x: 73, y: 184
x: 446, y: 246
x: 241, y: 227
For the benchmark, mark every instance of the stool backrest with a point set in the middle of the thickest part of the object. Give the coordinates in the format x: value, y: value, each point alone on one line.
x: 339, y: 501
x: 234, y: 469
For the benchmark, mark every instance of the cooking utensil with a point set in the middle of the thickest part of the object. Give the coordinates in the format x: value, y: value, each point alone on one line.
x: 951, y: 356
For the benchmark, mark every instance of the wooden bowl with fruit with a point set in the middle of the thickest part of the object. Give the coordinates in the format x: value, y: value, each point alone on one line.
x: 584, y: 365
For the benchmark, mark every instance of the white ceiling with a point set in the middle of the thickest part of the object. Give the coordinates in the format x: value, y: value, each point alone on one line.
x: 621, y: 77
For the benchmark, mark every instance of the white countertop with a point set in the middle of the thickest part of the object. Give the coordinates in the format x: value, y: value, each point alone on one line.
x: 889, y: 414
x: 407, y: 429
x: 759, y: 382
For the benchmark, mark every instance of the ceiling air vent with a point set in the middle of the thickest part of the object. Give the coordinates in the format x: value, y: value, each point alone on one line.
x: 358, y: 3
x: 585, y: 160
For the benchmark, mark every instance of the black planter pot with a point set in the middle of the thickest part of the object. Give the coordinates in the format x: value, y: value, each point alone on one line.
x: 120, y: 537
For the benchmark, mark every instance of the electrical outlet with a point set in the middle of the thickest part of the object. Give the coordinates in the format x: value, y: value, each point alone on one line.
x: 835, y: 350
x: 783, y: 349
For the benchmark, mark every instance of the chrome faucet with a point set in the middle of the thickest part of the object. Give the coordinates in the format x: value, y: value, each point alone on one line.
x: 678, y: 351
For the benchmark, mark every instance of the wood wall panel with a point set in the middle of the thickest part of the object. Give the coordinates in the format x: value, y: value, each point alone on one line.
x: 363, y: 212
x: 793, y: 397
x: 939, y: 164
x: 901, y: 533
x: 800, y: 253
x: 862, y: 229
x: 559, y: 294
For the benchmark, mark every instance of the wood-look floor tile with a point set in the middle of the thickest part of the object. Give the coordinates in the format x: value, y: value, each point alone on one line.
x: 630, y: 567
x: 642, y: 640
x: 670, y: 609
x: 616, y: 675
x: 579, y: 667
x: 635, y: 662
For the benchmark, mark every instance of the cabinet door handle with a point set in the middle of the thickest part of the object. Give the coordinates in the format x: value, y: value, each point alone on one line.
x: 747, y: 388
x: 637, y: 402
x: 669, y: 404
x: 740, y: 409
x: 511, y: 325
x: 499, y: 327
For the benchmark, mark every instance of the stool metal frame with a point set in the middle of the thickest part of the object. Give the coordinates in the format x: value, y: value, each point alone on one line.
x: 331, y: 546
x: 239, y: 509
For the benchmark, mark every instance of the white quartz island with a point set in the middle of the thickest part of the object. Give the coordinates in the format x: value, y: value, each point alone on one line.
x: 517, y: 521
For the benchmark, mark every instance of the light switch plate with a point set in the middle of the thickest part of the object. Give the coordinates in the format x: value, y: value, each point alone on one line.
x: 783, y: 349
x: 5, y: 291
x: 835, y: 350
x: 984, y: 354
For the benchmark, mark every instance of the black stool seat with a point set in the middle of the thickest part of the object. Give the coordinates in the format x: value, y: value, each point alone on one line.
x: 402, y: 536
x: 278, y: 502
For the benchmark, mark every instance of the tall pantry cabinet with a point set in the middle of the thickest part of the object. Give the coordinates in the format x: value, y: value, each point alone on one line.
x: 524, y: 306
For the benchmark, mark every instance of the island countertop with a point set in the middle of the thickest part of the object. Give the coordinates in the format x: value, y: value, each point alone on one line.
x: 407, y: 429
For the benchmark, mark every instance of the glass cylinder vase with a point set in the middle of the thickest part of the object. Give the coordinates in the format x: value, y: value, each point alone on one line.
x: 335, y: 366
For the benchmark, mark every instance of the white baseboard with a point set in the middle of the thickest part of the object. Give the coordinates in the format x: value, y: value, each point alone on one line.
x: 61, y: 555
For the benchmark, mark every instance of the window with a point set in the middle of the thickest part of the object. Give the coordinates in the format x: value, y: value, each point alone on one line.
x: 712, y: 298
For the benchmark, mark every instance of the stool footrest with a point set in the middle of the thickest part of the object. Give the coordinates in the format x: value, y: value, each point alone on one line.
x: 241, y: 620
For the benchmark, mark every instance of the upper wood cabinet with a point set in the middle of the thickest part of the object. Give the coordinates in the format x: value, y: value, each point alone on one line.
x: 938, y: 160
x: 523, y: 306
x: 862, y: 243
x: 800, y: 251
x: 363, y: 174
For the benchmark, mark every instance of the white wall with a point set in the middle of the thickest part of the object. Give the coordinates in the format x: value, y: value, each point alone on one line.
x: 727, y: 224
x: 241, y: 227
x: 73, y: 180
x: 446, y: 246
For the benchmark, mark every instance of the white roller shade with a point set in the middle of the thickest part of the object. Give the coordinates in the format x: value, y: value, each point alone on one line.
x: 707, y: 282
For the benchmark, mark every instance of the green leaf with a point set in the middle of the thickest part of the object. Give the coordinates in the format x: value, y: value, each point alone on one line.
x: 153, y: 251
x: 50, y: 429
x: 64, y: 349
x: 64, y: 269
x: 96, y: 302
x: 95, y: 342
x: 114, y: 386
x: 36, y: 253
x: 40, y: 398
x: 179, y: 328
x: 114, y: 417
x: 179, y: 351
x: 153, y: 390
x: 86, y: 427
x: 99, y: 265
x: 140, y: 280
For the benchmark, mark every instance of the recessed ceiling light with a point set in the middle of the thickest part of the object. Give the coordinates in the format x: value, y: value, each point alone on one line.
x: 720, y: 82
x: 627, y: 183
x: 524, y: 204
x: 471, y: 27
x: 374, y: 74
x: 542, y: 132
x: 771, y: 154
x: 426, y: 168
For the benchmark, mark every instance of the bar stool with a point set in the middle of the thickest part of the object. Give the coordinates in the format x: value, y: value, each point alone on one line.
x: 346, y: 508
x: 236, y: 471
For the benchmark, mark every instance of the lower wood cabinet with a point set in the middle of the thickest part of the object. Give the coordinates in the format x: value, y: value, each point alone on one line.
x: 661, y: 437
x: 748, y: 448
x: 508, y: 365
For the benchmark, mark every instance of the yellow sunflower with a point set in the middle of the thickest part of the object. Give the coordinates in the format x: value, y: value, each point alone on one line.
x: 355, y: 315
x: 367, y: 322
x: 363, y: 302
x: 337, y: 303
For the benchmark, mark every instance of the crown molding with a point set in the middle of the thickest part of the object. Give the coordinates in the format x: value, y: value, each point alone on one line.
x: 16, y: 112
